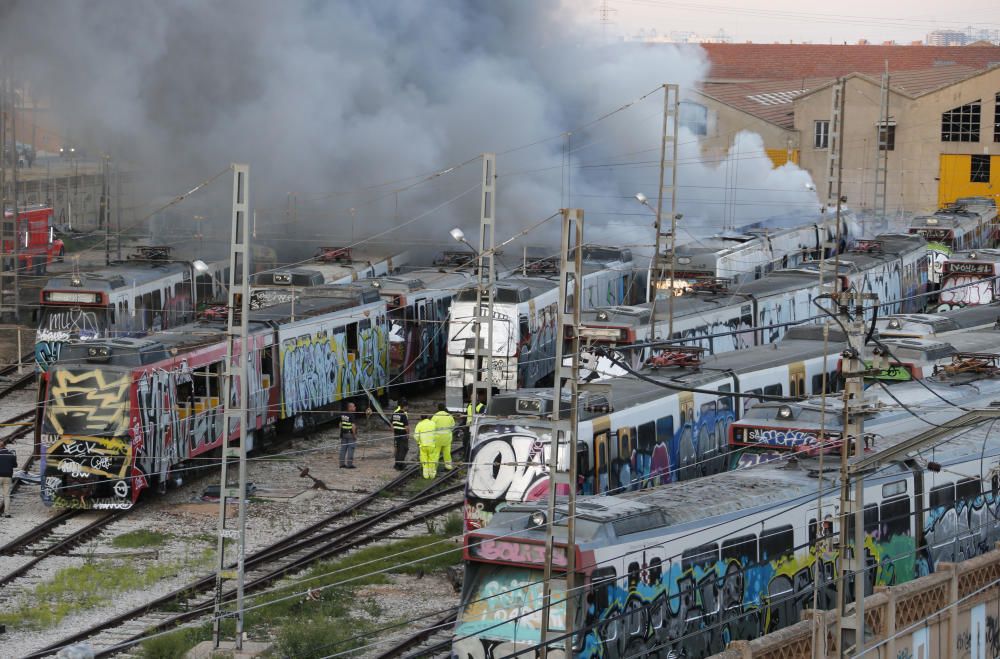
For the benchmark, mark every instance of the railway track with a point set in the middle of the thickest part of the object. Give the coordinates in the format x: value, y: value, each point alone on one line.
x: 289, y: 555
x: 431, y: 641
x: 52, y: 542
x: 17, y: 381
x: 19, y: 433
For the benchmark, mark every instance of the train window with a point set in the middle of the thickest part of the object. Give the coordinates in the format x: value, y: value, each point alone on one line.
x: 421, y: 311
x: 793, y: 387
x: 967, y: 489
x: 749, y: 401
x: 942, y: 496
x: 995, y: 485
x: 158, y: 310
x: 602, y: 580
x: 772, y: 390
x: 726, y: 402
x: 817, y: 384
x: 703, y: 555
x: 776, y: 542
x: 647, y: 437
x: 215, y: 379
x: 870, y: 522
x: 895, y: 517
x: 185, y: 394
x: 664, y: 430
x: 601, y: 470
x: 583, y: 461
x: 893, y: 489
x: 267, y: 367
x: 742, y: 549
x: 352, y: 337
x: 633, y: 576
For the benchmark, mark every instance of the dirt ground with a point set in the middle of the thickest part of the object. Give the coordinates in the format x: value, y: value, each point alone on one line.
x: 8, y: 344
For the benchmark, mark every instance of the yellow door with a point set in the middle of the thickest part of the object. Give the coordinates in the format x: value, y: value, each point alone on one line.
x: 956, y: 179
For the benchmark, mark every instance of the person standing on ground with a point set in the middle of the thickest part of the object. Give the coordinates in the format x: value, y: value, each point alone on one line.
x: 426, y: 434
x: 348, y: 436
x: 445, y: 424
x: 471, y: 411
x: 400, y: 434
x: 8, y: 463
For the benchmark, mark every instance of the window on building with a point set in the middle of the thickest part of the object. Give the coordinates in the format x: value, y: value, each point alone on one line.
x: 887, y: 137
x: 961, y: 124
x: 980, y: 169
x: 996, y: 120
x: 694, y: 117
x: 821, y: 134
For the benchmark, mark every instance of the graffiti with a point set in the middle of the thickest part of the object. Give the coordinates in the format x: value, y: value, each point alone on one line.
x: 962, y: 529
x: 777, y: 437
x: 318, y: 368
x: 970, y: 293
x: 508, y: 463
x: 507, y: 607
x: 88, y: 402
x: 516, y: 552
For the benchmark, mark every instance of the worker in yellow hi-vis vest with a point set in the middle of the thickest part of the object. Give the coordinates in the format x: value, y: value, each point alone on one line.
x: 426, y: 435
x: 445, y: 424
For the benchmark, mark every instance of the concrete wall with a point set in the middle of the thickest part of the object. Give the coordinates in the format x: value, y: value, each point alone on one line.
x: 725, y: 121
x: 914, y: 164
x: 951, y: 614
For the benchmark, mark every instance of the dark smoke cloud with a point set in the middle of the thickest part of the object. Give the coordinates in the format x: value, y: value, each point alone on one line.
x: 323, y: 97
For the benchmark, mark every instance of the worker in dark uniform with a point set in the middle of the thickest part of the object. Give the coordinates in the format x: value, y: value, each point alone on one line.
x: 400, y: 434
x: 471, y: 411
x: 348, y: 436
x: 8, y: 463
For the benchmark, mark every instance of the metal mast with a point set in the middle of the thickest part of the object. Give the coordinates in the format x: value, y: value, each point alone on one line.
x: 835, y: 148
x: 237, y: 350
x: 882, y: 147
x: 668, y: 186
x: 482, y: 379
x: 9, y: 237
x: 564, y: 431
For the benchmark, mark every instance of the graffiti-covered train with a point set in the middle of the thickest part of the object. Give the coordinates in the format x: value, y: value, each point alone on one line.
x: 969, y: 223
x: 682, y: 570
x: 717, y: 317
x: 330, y: 266
x: 673, y: 423
x: 969, y: 278
x: 760, y: 249
x: 122, y: 414
x: 145, y: 294
x: 524, y: 320
x: 642, y: 432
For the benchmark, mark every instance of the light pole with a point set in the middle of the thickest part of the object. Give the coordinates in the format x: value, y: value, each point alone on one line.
x: 653, y: 267
x: 459, y: 237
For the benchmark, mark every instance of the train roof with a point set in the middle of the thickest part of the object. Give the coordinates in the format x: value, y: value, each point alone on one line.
x: 920, y: 324
x: 125, y: 274
x: 630, y: 390
x: 422, y: 279
x: 866, y: 254
x: 683, y: 506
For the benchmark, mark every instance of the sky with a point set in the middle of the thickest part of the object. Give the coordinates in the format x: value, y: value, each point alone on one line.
x: 767, y: 21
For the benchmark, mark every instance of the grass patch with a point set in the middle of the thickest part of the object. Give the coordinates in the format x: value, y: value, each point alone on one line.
x: 88, y: 586
x: 454, y: 524
x: 140, y: 538
x: 175, y: 644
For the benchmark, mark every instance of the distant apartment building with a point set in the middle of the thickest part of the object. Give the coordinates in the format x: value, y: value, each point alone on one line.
x: 947, y: 38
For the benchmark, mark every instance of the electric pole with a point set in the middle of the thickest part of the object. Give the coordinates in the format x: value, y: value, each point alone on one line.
x: 668, y: 186
x: 852, y: 310
x: 482, y: 378
x: 882, y: 147
x: 238, y: 350
x: 564, y: 431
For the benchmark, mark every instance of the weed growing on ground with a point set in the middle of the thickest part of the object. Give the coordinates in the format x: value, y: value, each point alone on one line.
x: 454, y: 524
x: 175, y: 644
x: 141, y: 538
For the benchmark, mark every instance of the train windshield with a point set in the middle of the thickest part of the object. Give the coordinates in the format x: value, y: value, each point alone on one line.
x: 64, y: 323
x: 87, y: 401
x: 505, y: 602
x: 462, y: 330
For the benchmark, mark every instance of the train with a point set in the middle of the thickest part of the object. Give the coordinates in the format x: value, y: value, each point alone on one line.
x: 650, y: 429
x: 420, y: 302
x: 716, y: 316
x: 969, y: 278
x: 37, y: 245
x: 122, y: 415
x: 329, y: 266
x: 524, y: 320
x: 761, y: 248
x: 148, y: 293
x: 682, y: 570
x: 969, y: 223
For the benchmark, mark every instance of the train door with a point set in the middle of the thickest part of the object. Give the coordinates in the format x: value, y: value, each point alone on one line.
x: 622, y: 477
x: 797, y: 379
x: 687, y: 455
x: 601, y: 478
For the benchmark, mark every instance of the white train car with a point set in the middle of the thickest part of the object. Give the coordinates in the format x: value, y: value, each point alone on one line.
x: 524, y: 321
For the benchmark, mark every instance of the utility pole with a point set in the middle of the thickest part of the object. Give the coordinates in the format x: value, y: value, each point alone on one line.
x: 882, y: 147
x: 237, y: 349
x: 105, y: 212
x: 118, y: 211
x: 564, y: 431
x: 668, y: 186
x: 852, y: 310
x: 482, y: 378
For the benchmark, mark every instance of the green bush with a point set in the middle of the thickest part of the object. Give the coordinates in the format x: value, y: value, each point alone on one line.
x: 316, y: 638
x: 175, y: 644
x: 140, y: 538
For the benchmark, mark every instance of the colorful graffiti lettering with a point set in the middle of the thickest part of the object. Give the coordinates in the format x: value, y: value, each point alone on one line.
x: 963, y: 291
x: 516, y: 552
x: 88, y: 402
x: 507, y: 608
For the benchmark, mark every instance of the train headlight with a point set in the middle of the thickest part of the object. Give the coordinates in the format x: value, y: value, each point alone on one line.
x: 537, y: 518
x: 894, y: 324
x: 784, y: 412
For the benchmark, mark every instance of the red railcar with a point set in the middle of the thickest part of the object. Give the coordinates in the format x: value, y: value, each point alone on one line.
x: 37, y: 246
